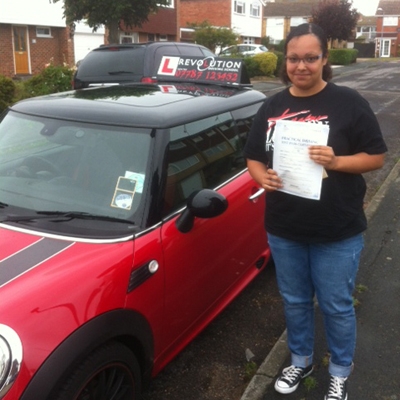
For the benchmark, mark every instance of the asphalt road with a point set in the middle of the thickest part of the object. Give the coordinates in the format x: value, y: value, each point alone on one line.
x: 215, y: 365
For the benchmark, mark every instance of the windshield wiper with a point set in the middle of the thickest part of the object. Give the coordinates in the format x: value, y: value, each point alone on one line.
x: 119, y: 72
x: 61, y: 216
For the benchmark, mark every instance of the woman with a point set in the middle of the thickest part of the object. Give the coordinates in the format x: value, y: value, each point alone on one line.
x: 316, y: 243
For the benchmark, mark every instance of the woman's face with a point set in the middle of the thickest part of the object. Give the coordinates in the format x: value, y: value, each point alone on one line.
x: 304, y: 64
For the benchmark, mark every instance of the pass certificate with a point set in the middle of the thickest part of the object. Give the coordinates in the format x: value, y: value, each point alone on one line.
x: 300, y: 175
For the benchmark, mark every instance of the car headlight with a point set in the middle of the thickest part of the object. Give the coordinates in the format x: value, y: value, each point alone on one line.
x: 10, y: 358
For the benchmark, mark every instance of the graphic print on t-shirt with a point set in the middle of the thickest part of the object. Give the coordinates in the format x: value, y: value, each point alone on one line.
x: 300, y: 116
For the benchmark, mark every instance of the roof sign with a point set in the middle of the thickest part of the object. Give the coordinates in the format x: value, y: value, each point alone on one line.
x: 195, y: 90
x: 216, y: 70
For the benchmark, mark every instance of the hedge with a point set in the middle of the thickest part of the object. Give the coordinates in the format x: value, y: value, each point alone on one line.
x: 7, y: 92
x: 342, y: 56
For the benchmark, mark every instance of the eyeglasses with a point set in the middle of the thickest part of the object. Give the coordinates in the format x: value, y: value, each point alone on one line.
x: 306, y: 60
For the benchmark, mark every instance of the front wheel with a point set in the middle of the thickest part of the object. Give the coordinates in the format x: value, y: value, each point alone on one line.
x: 109, y: 373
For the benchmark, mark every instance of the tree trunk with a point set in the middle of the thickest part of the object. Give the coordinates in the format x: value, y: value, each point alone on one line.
x: 113, y: 32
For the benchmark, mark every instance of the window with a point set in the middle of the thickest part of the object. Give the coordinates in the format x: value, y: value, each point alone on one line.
x: 255, y: 9
x: 206, y: 154
x: 43, y: 31
x: 202, y: 154
x: 163, y: 38
x: 239, y: 7
x: 248, y: 40
x: 390, y: 21
x: 151, y: 37
x: 129, y: 38
x: 368, y: 32
x: 170, y: 4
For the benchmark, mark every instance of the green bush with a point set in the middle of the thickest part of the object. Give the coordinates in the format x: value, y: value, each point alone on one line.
x: 252, y: 67
x: 279, y: 47
x: 262, y: 64
x: 279, y: 63
x: 7, y: 92
x: 342, y: 56
x: 267, y: 62
x: 52, y: 79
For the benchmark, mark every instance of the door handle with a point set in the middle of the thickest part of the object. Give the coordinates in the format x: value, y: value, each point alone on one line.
x: 257, y: 194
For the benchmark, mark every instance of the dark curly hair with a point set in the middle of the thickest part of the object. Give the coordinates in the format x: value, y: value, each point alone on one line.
x: 306, y: 29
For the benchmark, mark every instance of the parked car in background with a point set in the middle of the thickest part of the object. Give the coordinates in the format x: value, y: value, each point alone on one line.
x: 128, y: 222
x: 134, y: 62
x: 243, y: 49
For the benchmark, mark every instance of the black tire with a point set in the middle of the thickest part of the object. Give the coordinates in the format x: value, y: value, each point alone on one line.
x: 111, y: 372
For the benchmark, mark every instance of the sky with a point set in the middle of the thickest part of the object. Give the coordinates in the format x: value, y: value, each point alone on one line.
x: 366, y: 7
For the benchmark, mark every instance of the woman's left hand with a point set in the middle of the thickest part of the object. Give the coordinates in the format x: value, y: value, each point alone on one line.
x: 323, y: 155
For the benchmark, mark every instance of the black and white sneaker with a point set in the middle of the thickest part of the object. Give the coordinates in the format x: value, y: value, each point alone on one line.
x: 337, y: 389
x: 290, y: 378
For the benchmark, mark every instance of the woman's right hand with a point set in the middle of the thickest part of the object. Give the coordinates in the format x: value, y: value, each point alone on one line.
x: 266, y: 177
x: 271, y: 181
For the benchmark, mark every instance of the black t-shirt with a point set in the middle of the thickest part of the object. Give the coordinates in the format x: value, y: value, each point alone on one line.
x: 353, y: 128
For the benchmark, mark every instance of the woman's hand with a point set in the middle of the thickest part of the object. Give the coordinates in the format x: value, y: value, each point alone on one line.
x: 358, y: 163
x: 266, y: 177
x: 271, y: 181
x: 323, y: 155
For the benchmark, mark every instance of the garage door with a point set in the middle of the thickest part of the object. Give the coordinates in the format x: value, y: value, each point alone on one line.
x: 84, y: 42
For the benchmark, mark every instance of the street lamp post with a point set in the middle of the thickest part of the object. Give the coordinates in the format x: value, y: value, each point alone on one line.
x: 381, y: 43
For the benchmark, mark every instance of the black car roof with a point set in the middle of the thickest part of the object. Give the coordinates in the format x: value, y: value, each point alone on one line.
x: 145, y: 44
x: 140, y: 105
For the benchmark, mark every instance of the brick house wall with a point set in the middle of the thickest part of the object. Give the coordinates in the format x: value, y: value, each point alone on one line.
x: 162, y: 23
x: 216, y: 12
x: 57, y: 49
x: 6, y: 51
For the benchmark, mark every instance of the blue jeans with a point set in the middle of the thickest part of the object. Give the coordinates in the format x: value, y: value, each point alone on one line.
x: 327, y: 270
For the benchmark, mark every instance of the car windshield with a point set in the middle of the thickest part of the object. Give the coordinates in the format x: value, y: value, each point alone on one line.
x: 112, y: 61
x: 50, y: 166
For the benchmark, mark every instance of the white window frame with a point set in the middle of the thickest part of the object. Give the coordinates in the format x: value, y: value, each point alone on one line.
x: 43, y: 34
x: 255, y: 10
x: 163, y: 38
x: 248, y: 40
x: 390, y: 21
x: 239, y: 7
x: 134, y: 37
x: 169, y: 5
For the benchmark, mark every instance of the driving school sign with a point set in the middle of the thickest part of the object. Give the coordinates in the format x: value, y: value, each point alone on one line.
x: 206, y: 70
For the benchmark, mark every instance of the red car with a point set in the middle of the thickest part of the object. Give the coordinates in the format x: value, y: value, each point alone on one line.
x: 128, y: 221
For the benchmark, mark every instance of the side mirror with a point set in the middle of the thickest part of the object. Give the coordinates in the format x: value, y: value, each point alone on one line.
x: 205, y: 203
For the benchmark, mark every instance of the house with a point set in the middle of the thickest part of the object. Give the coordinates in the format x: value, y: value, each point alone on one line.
x: 242, y: 16
x: 171, y: 22
x: 161, y: 26
x: 33, y: 34
x: 281, y: 16
x: 365, y: 34
x: 387, y: 43
x: 366, y: 29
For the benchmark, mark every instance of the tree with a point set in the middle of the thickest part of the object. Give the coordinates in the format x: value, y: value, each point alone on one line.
x: 337, y: 18
x: 110, y: 13
x: 213, y: 37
